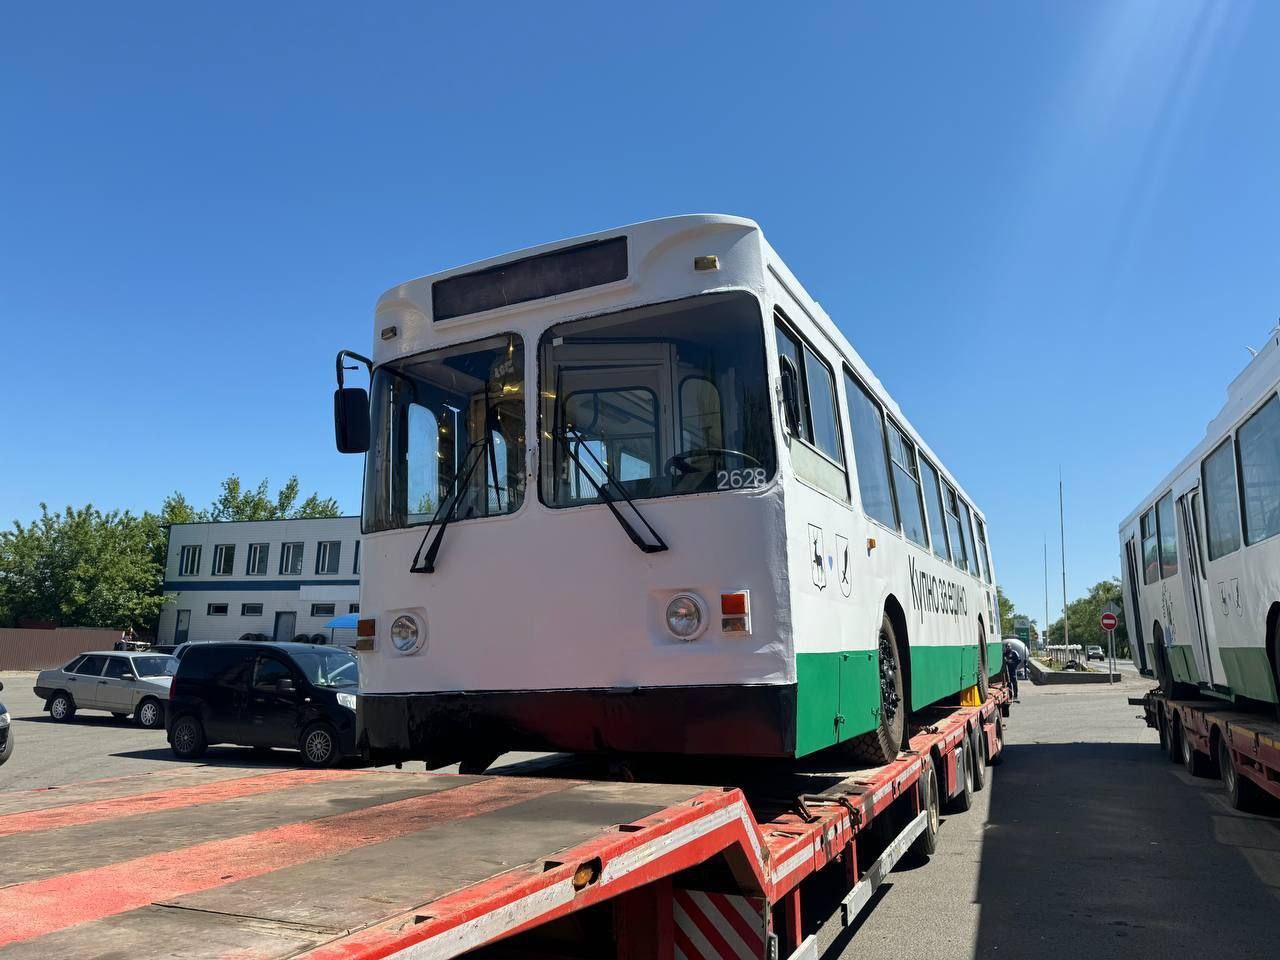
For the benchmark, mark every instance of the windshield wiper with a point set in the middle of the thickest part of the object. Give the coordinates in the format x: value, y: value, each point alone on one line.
x: 449, y: 508
x: 658, y: 545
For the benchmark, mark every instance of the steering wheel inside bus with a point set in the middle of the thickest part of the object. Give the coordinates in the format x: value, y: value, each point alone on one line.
x: 679, y: 466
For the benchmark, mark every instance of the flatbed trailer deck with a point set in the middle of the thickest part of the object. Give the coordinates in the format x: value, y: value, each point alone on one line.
x: 362, y: 864
x: 1213, y: 738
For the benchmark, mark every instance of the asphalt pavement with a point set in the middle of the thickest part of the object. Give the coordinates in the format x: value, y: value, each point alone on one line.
x: 1086, y: 843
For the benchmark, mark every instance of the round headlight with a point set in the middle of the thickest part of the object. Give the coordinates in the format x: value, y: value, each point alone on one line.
x: 404, y: 633
x: 684, y: 617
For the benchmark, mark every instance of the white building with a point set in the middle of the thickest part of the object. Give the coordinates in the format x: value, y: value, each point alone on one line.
x: 277, y: 578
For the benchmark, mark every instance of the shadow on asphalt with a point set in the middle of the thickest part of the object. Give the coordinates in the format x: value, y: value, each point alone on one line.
x: 1109, y: 850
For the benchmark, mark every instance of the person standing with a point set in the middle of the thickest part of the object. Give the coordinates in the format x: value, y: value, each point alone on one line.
x: 1012, y: 664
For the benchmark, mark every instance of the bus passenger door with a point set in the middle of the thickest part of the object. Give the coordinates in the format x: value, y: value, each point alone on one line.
x: 1133, y: 612
x: 1195, y: 583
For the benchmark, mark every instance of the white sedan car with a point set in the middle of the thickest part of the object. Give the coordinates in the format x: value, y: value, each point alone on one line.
x: 119, y: 682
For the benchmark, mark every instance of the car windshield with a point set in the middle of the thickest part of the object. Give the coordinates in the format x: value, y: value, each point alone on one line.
x: 665, y: 399
x: 329, y: 668
x: 155, y: 666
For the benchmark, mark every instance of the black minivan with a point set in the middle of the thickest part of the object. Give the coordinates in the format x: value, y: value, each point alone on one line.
x: 296, y: 695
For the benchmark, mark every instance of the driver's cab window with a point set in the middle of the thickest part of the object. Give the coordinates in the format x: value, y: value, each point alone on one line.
x: 268, y: 671
x: 422, y: 462
x: 612, y: 431
x: 810, y: 414
x: 701, y: 421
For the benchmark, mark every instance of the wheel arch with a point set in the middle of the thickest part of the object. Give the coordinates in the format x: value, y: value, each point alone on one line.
x: 898, y: 617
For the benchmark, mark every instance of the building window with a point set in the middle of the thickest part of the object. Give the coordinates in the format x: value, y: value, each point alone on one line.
x: 256, y: 566
x: 353, y: 608
x: 869, y: 453
x: 1259, y: 449
x: 355, y: 566
x: 224, y: 556
x: 250, y: 609
x: 189, y: 564
x: 1150, y: 547
x: 1221, y: 501
x: 906, y: 485
x: 291, y: 559
x: 217, y: 610
x: 327, y: 553
x: 322, y: 609
x: 933, y: 507
x: 1168, y: 536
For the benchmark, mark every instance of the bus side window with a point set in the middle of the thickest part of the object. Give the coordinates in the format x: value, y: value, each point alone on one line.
x: 870, y: 455
x: 1259, y: 450
x: 955, y: 532
x: 820, y: 458
x: 1150, y: 548
x: 1221, y: 500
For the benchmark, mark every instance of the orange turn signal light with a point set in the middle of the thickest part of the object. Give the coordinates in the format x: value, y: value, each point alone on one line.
x: 366, y: 628
x: 733, y: 604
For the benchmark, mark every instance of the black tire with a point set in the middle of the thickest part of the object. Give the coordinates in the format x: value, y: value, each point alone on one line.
x: 984, y: 681
x: 881, y: 745
x: 926, y: 844
x: 1196, y: 763
x: 998, y: 757
x: 963, y: 799
x: 61, y: 707
x: 1174, y: 752
x: 1162, y: 727
x: 1242, y: 792
x: 150, y: 714
x: 187, y: 738
x: 319, y: 745
x: 979, y: 742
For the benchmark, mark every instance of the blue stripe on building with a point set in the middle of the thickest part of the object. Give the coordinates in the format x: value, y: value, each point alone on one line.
x: 185, y: 585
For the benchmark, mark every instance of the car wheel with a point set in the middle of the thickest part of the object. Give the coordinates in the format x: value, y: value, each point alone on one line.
x: 187, y: 738
x: 150, y: 715
x: 62, y: 707
x: 319, y: 745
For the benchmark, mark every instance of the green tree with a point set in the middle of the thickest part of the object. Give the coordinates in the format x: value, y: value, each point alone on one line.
x: 237, y: 502
x: 1007, y: 615
x: 1084, y: 614
x: 83, y: 568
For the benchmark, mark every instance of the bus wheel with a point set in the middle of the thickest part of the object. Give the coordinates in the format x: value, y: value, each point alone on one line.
x: 881, y: 745
x: 983, y: 676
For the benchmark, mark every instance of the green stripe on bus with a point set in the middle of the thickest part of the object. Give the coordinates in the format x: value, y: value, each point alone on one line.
x: 838, y: 694
x: 1249, y: 672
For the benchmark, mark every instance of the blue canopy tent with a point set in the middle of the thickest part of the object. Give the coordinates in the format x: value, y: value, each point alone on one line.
x: 347, y: 621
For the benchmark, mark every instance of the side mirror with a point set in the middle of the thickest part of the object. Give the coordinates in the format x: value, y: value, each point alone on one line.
x: 790, y: 396
x: 127, y: 676
x: 284, y: 685
x: 351, y: 419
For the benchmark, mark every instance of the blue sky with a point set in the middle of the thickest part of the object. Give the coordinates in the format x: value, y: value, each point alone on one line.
x: 1049, y: 227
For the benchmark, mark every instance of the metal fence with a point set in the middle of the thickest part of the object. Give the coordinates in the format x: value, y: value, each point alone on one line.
x: 23, y: 649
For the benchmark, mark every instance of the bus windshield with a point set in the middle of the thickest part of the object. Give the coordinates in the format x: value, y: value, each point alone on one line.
x: 669, y: 399
x: 442, y: 419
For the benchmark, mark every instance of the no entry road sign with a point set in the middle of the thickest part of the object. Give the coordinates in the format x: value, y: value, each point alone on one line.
x: 1109, y: 621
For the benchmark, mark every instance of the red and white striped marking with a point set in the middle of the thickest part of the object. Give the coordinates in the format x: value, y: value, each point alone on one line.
x: 717, y: 926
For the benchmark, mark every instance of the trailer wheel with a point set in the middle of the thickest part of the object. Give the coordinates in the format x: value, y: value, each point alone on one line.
x: 881, y: 745
x: 1241, y: 791
x: 978, y: 740
x: 963, y: 800
x: 1162, y: 727
x: 924, y: 845
x: 1174, y: 751
x: 997, y: 758
x: 1197, y: 763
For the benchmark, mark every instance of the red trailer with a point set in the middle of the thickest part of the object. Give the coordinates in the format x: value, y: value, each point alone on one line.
x: 363, y: 864
x: 1213, y: 738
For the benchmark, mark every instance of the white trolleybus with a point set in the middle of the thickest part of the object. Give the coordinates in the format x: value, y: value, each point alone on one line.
x: 1201, y: 553
x: 635, y: 493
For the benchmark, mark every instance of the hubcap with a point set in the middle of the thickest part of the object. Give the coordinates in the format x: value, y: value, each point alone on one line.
x: 184, y: 737
x: 889, y: 699
x: 149, y: 715
x: 319, y: 746
x: 59, y: 708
